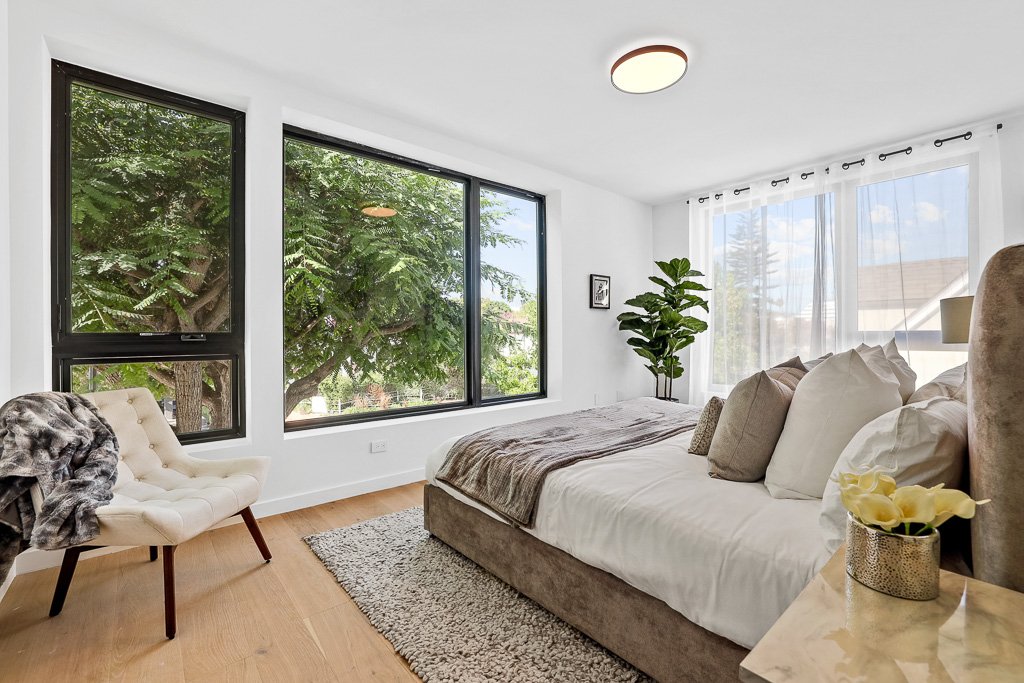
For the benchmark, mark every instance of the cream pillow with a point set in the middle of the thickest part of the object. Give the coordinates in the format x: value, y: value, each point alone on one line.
x: 901, y: 368
x: 920, y: 443
x: 950, y: 383
x: 887, y: 361
x: 830, y: 404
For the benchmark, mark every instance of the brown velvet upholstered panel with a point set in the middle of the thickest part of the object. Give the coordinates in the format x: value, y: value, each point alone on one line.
x: 641, y: 629
x: 995, y: 372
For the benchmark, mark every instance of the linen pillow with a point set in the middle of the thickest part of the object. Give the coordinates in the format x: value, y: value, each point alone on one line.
x: 950, y: 383
x: 901, y: 368
x: 920, y: 443
x: 829, y: 406
x: 809, y: 364
x: 705, y: 429
x: 878, y: 360
x: 751, y: 422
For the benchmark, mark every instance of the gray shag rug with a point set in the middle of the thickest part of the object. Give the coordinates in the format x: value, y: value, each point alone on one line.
x: 450, y: 619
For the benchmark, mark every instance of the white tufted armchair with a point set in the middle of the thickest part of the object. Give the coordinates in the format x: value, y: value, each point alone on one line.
x: 163, y: 496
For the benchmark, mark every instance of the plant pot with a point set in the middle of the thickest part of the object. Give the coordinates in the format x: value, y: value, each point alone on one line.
x: 894, y: 564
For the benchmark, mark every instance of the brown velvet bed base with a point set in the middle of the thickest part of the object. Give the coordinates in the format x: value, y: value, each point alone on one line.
x: 641, y: 629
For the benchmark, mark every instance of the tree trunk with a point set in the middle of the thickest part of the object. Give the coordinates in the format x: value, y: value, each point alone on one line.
x: 188, y: 395
x: 220, y: 402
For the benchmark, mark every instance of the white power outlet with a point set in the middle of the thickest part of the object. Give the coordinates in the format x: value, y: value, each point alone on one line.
x: 378, y: 446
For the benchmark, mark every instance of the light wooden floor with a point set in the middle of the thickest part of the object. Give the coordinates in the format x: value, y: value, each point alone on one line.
x: 238, y: 618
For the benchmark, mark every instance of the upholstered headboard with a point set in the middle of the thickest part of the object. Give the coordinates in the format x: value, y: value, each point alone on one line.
x: 995, y: 372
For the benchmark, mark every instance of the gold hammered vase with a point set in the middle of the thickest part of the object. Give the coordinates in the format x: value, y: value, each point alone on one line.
x: 897, y: 565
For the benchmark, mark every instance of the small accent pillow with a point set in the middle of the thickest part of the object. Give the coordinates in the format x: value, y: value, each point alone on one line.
x: 921, y: 443
x: 751, y: 422
x: 705, y: 429
x: 951, y: 384
x: 830, y: 405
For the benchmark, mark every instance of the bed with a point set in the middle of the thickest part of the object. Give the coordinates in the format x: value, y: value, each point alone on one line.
x: 682, y: 591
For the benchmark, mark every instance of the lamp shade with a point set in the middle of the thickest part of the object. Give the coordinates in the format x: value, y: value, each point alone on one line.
x: 956, y: 319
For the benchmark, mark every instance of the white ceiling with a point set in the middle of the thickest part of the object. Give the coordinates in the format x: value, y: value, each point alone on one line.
x: 770, y: 84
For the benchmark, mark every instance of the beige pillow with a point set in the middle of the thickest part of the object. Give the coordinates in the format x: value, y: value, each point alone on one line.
x: 920, y: 443
x: 950, y: 384
x: 705, y: 429
x: 751, y: 422
x: 830, y: 405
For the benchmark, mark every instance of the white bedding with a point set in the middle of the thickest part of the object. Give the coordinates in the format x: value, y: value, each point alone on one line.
x: 726, y: 555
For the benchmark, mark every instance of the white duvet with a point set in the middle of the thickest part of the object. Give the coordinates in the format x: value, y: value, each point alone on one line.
x: 726, y: 555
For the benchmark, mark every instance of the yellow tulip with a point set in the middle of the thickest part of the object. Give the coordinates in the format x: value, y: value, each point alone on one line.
x: 916, y: 504
x: 949, y: 502
x: 877, y: 509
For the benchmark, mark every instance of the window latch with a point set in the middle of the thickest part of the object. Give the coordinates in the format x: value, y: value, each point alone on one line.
x: 193, y: 337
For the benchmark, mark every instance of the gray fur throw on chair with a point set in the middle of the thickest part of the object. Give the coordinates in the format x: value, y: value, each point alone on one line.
x: 60, y: 442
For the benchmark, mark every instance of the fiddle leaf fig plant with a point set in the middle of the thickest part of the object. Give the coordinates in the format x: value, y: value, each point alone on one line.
x: 662, y: 328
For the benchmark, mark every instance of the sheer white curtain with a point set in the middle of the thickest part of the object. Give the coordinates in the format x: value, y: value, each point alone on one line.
x: 831, y: 258
x: 770, y: 251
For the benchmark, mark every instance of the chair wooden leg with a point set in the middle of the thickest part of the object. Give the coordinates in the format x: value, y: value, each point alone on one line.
x: 170, y: 619
x: 254, y: 531
x: 152, y: 553
x: 67, y: 572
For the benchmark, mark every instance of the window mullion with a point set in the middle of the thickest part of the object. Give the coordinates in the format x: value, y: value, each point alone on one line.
x: 474, y: 368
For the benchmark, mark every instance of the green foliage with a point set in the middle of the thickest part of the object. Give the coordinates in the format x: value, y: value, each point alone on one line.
x: 150, y: 233
x: 369, y: 302
x: 382, y: 296
x: 663, y: 329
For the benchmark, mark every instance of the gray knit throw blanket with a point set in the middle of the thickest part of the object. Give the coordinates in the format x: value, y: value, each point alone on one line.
x: 62, y: 443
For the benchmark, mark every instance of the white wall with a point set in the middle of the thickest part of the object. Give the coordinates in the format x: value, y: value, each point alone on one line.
x: 671, y: 239
x: 590, y: 230
x: 5, y: 215
x: 1011, y: 154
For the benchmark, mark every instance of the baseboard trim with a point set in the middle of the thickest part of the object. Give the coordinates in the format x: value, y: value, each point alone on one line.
x: 33, y: 560
x: 276, y: 506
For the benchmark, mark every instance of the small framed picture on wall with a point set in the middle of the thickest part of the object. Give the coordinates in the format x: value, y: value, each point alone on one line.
x: 600, y: 291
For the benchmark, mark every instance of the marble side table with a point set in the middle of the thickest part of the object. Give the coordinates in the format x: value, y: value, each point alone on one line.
x: 840, y: 630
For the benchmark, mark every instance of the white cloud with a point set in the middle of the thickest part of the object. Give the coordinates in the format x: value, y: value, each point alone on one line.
x: 882, y: 214
x: 927, y: 212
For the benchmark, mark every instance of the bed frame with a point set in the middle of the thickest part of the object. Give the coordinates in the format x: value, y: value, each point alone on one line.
x: 641, y: 629
x: 661, y: 642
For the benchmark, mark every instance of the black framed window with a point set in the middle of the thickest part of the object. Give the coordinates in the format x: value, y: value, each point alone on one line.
x: 148, y: 254
x: 407, y: 288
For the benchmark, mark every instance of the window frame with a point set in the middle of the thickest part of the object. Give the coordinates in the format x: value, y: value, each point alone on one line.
x: 848, y: 250
x: 474, y: 186
x: 73, y: 348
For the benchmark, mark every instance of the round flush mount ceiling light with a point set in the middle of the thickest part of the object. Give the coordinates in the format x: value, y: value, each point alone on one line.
x: 379, y: 211
x: 649, y: 69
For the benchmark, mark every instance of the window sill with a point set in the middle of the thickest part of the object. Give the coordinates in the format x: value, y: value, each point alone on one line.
x: 414, y: 419
x: 218, y: 445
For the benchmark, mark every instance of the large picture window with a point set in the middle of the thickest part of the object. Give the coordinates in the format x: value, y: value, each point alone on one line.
x: 407, y: 288
x: 147, y: 244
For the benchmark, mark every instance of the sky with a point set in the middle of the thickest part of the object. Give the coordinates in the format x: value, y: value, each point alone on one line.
x: 521, y: 259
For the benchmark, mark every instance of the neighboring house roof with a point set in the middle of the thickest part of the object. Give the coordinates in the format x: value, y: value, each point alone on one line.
x: 916, y: 282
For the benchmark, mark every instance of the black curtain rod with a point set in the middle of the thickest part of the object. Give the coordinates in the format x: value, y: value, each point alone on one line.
x: 885, y: 155
x: 847, y: 164
x: 965, y: 136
